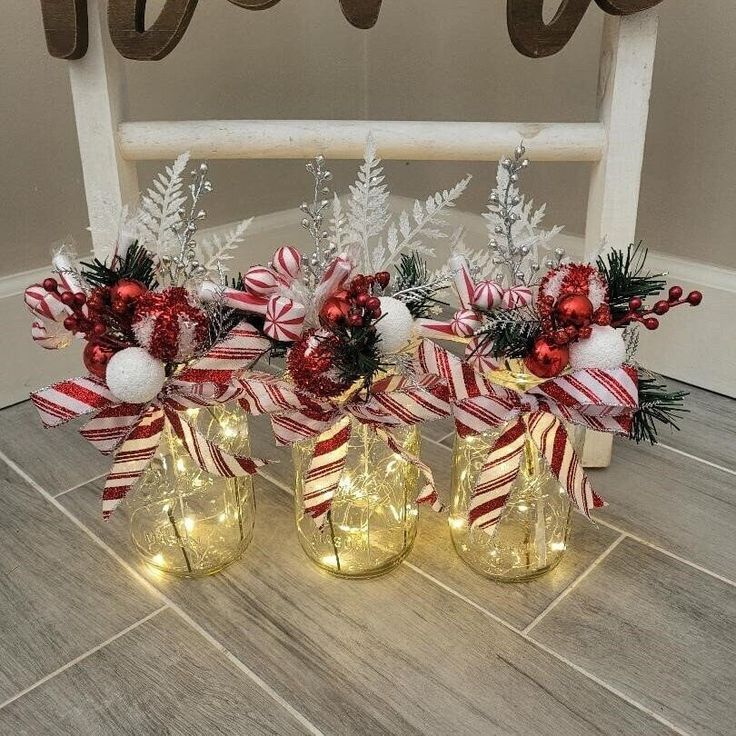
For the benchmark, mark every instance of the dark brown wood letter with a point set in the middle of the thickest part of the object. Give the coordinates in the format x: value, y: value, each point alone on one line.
x: 127, y: 21
x: 532, y: 36
x: 65, y: 25
x: 626, y: 7
x: 361, y: 13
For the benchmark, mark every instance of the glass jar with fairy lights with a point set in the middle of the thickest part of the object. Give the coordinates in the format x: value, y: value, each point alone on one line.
x: 185, y: 521
x: 549, y: 348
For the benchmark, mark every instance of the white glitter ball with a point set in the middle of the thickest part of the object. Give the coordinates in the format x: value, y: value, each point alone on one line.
x: 395, y: 325
x: 604, y: 349
x: 134, y: 376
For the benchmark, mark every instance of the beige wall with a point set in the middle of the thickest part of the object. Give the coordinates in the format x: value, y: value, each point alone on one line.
x: 425, y: 59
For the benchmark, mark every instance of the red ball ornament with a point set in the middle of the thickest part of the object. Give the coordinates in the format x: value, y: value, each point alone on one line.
x: 96, y: 357
x: 547, y: 359
x: 383, y: 277
x: 169, y: 325
x: 574, y: 309
x: 125, y: 293
x: 335, y: 309
x: 311, y: 364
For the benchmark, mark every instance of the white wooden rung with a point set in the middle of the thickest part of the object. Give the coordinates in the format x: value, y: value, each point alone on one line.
x: 345, y: 139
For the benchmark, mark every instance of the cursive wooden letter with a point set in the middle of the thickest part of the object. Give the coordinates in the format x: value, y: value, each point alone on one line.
x: 127, y: 21
x: 65, y: 25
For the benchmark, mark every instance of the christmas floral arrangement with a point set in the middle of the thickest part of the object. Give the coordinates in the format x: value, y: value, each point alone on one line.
x: 153, y: 348
x: 550, y: 345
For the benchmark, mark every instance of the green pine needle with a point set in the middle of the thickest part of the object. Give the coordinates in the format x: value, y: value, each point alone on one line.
x: 657, y: 406
x: 511, y: 333
x: 357, y: 356
x: 625, y: 274
x: 137, y: 265
x: 415, y: 287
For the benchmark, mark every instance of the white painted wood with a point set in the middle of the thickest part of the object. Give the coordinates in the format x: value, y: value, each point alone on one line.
x: 97, y: 82
x: 345, y: 139
x: 624, y: 86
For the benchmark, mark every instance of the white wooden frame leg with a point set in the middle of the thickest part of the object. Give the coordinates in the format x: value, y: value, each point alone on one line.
x: 624, y: 87
x: 97, y: 82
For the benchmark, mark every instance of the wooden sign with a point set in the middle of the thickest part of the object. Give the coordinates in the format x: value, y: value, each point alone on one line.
x: 65, y: 23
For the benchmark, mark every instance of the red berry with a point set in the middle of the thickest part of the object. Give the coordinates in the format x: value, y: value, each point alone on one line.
x: 50, y: 284
x: 661, y: 307
x: 355, y: 320
x: 376, y: 313
x: 383, y: 277
x: 651, y: 323
x: 675, y: 293
x: 359, y: 283
x: 99, y: 329
x: 694, y: 298
x: 561, y: 337
x: 71, y: 324
x: 80, y: 298
x: 361, y: 299
x: 635, y: 303
x: 67, y: 298
x: 373, y: 303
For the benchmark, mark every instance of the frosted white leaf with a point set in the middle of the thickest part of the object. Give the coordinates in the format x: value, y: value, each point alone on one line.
x: 158, y: 213
x: 216, y: 248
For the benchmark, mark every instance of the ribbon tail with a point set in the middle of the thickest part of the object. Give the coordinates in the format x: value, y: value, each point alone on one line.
x: 325, y: 471
x: 428, y: 493
x: 208, y: 455
x: 132, y: 459
x: 549, y: 435
x: 70, y: 399
x: 496, y: 478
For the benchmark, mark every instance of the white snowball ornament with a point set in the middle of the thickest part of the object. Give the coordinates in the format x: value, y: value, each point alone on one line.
x: 604, y: 349
x: 135, y: 376
x: 395, y: 325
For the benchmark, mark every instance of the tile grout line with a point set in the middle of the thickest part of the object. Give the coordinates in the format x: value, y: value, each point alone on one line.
x: 522, y: 633
x: 574, y: 584
x: 83, y: 656
x: 255, y: 678
x: 543, y: 647
x: 79, y: 485
x: 653, y: 546
x: 711, y: 464
x: 667, y: 553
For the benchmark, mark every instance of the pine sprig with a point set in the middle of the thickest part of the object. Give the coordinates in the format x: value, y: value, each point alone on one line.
x: 626, y: 275
x: 657, y: 406
x: 415, y: 287
x: 510, y: 333
x: 357, y: 356
x: 137, y: 265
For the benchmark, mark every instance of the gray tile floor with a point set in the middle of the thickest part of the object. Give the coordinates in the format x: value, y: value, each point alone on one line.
x: 634, y: 633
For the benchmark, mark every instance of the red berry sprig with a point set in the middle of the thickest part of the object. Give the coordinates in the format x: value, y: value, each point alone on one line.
x: 639, y: 313
x: 78, y: 320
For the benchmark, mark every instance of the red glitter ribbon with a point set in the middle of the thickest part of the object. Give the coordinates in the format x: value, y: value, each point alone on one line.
x: 133, y: 431
x: 604, y: 400
x: 394, y: 402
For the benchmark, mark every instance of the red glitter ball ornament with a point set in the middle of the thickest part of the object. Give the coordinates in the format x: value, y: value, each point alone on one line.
x: 96, y: 356
x: 169, y: 325
x: 547, y: 359
x: 311, y: 364
x: 575, y: 310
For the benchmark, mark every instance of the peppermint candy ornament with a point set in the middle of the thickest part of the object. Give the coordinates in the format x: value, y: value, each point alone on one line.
x: 261, y: 281
x: 487, y: 295
x: 284, y: 320
x: 287, y: 263
x: 465, y: 322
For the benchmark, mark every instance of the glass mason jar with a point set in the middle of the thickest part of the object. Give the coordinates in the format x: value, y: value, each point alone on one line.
x: 372, y: 523
x: 185, y: 521
x: 531, y: 534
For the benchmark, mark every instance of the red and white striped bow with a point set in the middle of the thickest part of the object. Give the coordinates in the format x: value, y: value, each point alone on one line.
x: 133, y: 431
x: 393, y: 402
x: 604, y: 400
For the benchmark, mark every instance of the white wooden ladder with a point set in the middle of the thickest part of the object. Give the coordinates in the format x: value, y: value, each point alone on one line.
x: 614, y: 144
